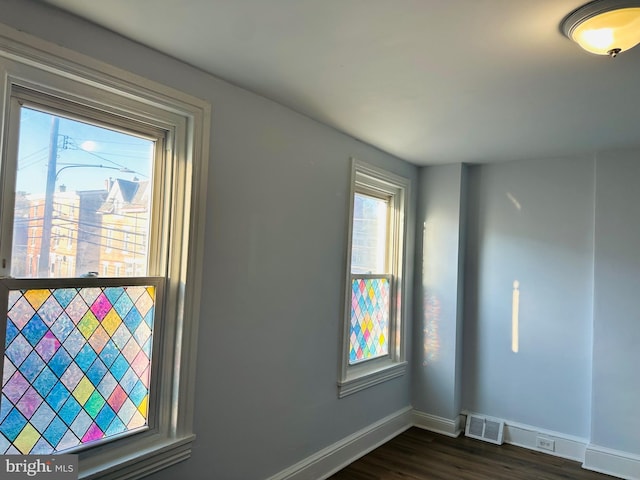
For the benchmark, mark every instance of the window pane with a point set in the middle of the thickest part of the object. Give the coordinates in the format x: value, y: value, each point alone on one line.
x: 369, y: 332
x: 369, y: 237
x: 76, y: 366
x: 83, y: 199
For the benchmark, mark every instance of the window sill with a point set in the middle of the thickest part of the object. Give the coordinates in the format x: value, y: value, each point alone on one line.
x: 360, y: 378
x: 138, y: 463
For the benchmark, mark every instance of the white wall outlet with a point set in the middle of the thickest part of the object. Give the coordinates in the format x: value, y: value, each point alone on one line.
x: 545, y: 443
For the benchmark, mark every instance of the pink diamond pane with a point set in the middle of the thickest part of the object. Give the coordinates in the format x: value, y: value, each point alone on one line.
x: 101, y: 307
x: 48, y: 346
x: 21, y: 312
x: 15, y: 387
x: 29, y: 403
x: 94, y: 433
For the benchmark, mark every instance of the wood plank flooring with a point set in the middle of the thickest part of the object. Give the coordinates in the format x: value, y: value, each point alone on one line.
x: 421, y: 455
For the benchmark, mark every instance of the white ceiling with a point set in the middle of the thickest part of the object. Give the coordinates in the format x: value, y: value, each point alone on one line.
x: 430, y: 81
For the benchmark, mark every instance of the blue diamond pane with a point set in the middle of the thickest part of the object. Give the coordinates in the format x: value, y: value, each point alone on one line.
x: 34, y: 330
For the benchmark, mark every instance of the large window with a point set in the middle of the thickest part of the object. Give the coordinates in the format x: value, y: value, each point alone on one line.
x: 98, y: 359
x: 373, y: 345
x: 77, y: 361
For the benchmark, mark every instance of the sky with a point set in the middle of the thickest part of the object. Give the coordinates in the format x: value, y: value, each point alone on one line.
x: 87, y: 155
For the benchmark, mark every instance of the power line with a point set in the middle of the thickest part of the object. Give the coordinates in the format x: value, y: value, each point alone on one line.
x: 77, y: 147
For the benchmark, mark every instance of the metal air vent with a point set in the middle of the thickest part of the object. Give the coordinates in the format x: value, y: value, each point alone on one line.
x: 484, y: 428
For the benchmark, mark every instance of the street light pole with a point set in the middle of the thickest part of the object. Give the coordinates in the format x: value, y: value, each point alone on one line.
x: 45, y: 245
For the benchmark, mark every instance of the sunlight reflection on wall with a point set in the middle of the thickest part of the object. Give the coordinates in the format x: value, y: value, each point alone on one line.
x: 515, y: 320
x: 514, y: 200
x: 431, y: 340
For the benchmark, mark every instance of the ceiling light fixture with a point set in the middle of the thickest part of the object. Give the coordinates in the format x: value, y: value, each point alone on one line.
x: 605, y: 27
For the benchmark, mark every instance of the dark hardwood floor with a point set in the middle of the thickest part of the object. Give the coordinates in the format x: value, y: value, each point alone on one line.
x: 421, y: 455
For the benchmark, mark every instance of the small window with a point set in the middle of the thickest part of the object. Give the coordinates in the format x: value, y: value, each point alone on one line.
x: 370, y: 278
x: 55, y: 239
x: 374, y: 338
x: 108, y: 240
x: 127, y: 241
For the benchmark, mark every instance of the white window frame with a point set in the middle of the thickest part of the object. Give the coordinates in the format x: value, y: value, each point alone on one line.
x: 368, y: 179
x: 28, y: 62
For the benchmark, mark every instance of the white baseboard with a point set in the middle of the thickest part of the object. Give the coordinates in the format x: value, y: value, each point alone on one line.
x: 518, y: 434
x: 329, y: 460
x: 566, y: 446
x: 333, y: 458
x: 433, y: 423
x: 599, y: 459
x: 612, y: 462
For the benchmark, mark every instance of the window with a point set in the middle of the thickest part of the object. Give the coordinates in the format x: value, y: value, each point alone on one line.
x: 370, y: 280
x: 98, y: 366
x: 126, y: 243
x: 108, y: 240
x: 374, y: 332
x: 56, y: 236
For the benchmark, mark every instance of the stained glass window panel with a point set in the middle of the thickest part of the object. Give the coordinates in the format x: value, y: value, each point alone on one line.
x: 76, y: 366
x: 369, y: 331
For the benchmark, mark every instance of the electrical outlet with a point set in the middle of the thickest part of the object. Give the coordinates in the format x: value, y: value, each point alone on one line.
x: 545, y: 443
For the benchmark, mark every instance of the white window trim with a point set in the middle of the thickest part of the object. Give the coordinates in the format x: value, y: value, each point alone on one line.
x: 357, y: 377
x: 27, y: 60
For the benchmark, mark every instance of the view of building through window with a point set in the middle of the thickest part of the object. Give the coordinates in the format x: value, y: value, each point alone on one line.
x: 83, y: 197
x: 369, y: 236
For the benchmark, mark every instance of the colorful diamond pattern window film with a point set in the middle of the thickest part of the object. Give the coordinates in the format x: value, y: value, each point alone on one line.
x: 76, y: 366
x: 369, y: 331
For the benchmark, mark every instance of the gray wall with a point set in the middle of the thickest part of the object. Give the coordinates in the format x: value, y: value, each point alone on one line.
x: 530, y: 222
x: 568, y: 231
x: 273, y: 270
x: 615, y: 422
x: 436, y: 387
